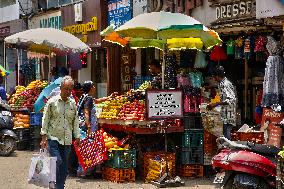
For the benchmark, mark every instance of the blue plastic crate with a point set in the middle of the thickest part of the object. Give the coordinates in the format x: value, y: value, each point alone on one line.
x: 35, y: 119
x: 191, y: 156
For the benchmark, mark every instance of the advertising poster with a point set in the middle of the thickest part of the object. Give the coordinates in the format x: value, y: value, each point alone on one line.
x: 272, y: 133
x: 119, y: 12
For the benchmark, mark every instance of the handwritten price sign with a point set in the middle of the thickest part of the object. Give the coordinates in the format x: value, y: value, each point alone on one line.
x: 163, y: 104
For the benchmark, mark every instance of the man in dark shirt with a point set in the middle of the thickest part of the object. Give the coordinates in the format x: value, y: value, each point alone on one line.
x: 3, y: 94
x: 155, y: 69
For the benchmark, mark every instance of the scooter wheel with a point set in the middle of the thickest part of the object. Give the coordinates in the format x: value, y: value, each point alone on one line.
x: 7, y: 146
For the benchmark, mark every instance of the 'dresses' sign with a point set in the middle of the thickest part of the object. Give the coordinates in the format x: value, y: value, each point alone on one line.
x: 162, y: 104
x: 234, y: 10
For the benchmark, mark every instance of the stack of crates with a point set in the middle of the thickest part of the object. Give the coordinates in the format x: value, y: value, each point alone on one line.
x: 120, y: 166
x: 191, y: 155
x: 23, y: 135
x: 35, y: 127
x: 210, y: 149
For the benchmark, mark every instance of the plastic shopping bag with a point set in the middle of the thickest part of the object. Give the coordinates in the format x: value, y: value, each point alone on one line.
x: 42, y: 170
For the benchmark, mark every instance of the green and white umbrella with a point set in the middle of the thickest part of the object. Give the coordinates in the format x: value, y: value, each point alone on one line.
x: 163, y: 30
x: 157, y: 29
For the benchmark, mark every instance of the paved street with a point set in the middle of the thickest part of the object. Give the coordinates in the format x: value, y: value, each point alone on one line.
x: 14, y: 172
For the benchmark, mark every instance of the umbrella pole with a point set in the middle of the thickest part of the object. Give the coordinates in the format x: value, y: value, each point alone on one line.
x: 49, y: 64
x: 5, y: 65
x: 246, y: 88
x: 164, y: 66
x: 18, y: 67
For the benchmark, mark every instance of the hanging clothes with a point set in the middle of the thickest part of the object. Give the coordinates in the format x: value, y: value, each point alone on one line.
x: 260, y: 48
x: 200, y: 60
x: 273, y: 85
x: 231, y: 47
x: 239, y: 49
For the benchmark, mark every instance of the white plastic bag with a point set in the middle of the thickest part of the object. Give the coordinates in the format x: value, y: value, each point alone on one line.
x: 42, y: 170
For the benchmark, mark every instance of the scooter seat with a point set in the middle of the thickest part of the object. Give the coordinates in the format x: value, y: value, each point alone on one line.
x: 261, y: 148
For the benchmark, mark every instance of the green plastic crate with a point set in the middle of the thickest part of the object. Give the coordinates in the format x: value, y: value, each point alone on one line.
x: 122, y: 159
x: 192, y: 139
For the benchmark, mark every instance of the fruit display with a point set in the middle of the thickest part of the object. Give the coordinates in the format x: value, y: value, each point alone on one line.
x: 111, y: 108
x: 21, y: 121
x: 133, y: 110
x: 112, y: 143
x: 26, y: 97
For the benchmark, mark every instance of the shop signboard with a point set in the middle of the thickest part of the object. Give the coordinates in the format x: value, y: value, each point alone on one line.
x: 4, y: 31
x: 50, y: 20
x: 119, y: 12
x: 266, y: 9
x: 140, y: 7
x: 272, y: 133
x: 163, y: 104
x: 233, y: 11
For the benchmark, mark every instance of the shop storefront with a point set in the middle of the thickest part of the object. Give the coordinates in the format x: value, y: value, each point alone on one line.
x: 85, y: 20
x: 6, y: 29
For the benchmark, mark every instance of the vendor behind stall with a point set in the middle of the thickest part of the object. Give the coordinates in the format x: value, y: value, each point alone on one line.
x: 228, y: 101
x: 155, y: 69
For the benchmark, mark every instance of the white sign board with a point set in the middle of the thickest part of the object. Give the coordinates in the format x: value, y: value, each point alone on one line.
x: 139, y: 7
x: 48, y: 20
x: 269, y: 8
x: 78, y: 11
x: 163, y: 104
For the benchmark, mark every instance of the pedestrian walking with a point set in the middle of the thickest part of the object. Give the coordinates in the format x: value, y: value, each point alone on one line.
x: 228, y: 101
x: 60, y: 122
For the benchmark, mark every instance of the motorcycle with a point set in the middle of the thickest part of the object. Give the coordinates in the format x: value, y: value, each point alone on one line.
x: 242, y: 165
x: 8, y: 138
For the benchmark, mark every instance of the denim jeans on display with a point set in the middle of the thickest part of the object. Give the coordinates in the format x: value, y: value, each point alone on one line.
x: 62, y: 153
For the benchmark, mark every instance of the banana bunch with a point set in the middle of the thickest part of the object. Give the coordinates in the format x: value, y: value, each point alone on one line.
x: 281, y: 153
x: 145, y: 86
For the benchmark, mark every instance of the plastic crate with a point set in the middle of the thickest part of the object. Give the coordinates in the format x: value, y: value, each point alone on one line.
x: 35, y: 144
x: 191, y: 170
x: 118, y: 175
x: 192, y: 139
x: 22, y: 134
x: 208, y: 171
x: 35, y: 119
x: 192, y: 121
x: 23, y: 145
x: 191, y: 156
x: 35, y: 132
x: 121, y: 159
x: 256, y: 137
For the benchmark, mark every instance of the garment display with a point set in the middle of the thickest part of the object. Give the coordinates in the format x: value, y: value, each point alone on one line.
x: 273, y: 85
x: 239, y: 52
x: 231, y: 47
x: 200, y: 61
x: 196, y: 79
x: 260, y: 48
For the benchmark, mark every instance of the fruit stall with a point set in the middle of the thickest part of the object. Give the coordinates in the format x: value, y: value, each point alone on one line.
x: 27, y: 124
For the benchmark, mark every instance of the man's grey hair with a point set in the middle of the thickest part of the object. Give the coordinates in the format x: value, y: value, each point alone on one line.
x: 65, y: 79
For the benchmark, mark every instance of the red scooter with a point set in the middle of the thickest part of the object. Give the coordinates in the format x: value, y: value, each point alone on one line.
x: 245, y: 165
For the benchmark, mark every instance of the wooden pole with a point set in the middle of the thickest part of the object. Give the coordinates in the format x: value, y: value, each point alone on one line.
x: 5, y: 65
x: 246, y: 88
x: 18, y: 67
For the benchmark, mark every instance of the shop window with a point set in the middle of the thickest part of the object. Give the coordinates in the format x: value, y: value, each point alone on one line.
x: 64, y: 2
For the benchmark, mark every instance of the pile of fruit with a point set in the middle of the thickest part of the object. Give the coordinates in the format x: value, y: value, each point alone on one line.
x: 21, y: 121
x: 26, y: 97
x: 111, y: 108
x: 133, y: 110
x: 112, y: 143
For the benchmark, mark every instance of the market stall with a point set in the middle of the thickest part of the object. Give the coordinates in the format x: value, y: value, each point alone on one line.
x: 164, y: 31
x: 27, y: 122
